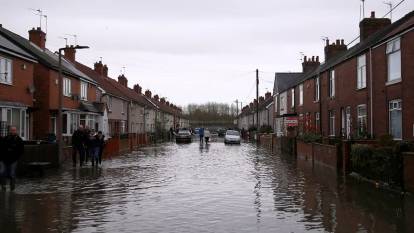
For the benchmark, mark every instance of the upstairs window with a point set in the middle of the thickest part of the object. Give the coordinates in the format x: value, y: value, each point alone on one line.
x: 84, y: 91
x: 317, y: 88
x: 362, y: 72
x: 6, y: 71
x: 301, y: 94
x: 332, y: 83
x: 394, y: 60
x: 293, y: 97
x: 67, y: 87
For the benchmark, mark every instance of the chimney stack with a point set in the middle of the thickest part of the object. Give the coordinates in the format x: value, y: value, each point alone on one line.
x: 261, y: 99
x: 331, y: 50
x: 137, y: 88
x: 310, y: 64
x: 98, y: 67
x: 38, y: 37
x: 156, y: 97
x: 70, y: 53
x: 268, y: 95
x: 105, y: 71
x: 123, y: 80
x: 148, y: 93
x: 162, y: 100
x: 369, y: 26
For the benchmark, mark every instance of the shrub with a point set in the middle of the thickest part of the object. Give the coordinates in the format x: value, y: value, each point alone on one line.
x: 266, y: 129
x: 382, y: 163
x: 310, y: 138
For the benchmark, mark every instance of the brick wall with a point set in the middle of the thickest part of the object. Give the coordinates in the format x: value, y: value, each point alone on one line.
x: 327, y: 155
x: 304, y: 150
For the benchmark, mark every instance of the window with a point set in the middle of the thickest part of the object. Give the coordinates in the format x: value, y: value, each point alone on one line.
x: 394, y: 60
x: 110, y: 103
x: 317, y: 88
x: 67, y: 87
x: 65, y: 124
x: 331, y: 123
x: 84, y: 90
x: 362, y: 72
x: 395, y: 116
x: 16, y: 117
x: 293, y: 97
x: 6, y: 71
x: 317, y: 120
x: 362, y: 118
x: 301, y: 94
x: 123, y: 108
x: 332, y: 83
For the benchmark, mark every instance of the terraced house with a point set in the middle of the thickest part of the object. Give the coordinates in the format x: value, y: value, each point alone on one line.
x: 358, y: 92
x: 81, y: 104
x: 16, y: 88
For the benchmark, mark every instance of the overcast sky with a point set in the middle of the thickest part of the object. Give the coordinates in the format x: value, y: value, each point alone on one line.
x: 194, y: 51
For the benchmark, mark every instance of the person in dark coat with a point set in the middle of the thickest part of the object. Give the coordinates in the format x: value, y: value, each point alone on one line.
x: 78, y: 145
x: 14, y: 149
x: 101, y: 144
x: 86, y: 143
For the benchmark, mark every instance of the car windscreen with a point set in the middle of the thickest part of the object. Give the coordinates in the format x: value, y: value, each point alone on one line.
x: 232, y: 132
x: 184, y: 132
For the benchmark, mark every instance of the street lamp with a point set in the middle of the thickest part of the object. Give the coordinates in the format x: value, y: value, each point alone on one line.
x: 60, y: 103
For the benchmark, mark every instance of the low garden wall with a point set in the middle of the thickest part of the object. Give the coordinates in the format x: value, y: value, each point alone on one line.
x: 324, y: 154
x: 304, y: 150
x: 408, y: 163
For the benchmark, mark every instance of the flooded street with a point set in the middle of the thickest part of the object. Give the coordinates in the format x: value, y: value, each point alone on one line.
x: 214, y: 188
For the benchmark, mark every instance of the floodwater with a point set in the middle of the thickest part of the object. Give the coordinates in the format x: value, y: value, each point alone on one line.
x: 214, y: 188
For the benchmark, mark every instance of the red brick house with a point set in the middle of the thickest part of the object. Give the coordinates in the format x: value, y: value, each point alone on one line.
x: 81, y: 93
x: 365, y: 90
x: 16, y: 88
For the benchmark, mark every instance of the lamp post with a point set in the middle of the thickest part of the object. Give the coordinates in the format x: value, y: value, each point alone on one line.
x: 59, y: 137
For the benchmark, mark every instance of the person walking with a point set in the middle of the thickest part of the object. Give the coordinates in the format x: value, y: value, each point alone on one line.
x: 78, y: 146
x: 207, y: 135
x: 101, y: 145
x: 94, y: 147
x: 201, y: 134
x: 13, y: 150
x: 86, y: 143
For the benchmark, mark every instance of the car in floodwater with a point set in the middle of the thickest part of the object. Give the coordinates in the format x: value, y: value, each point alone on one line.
x: 183, y: 136
x: 232, y: 137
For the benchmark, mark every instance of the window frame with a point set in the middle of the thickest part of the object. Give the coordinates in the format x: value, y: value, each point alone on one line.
x: 301, y: 94
x: 67, y: 87
x: 317, y: 88
x: 292, y: 98
x: 362, y: 117
x: 361, y: 71
x: 393, y: 47
x: 332, y: 130
x: 83, y: 90
x: 331, y: 83
x: 8, y: 71
x: 398, y: 102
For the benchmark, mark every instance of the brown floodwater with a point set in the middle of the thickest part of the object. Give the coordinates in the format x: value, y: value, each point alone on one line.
x: 189, y: 188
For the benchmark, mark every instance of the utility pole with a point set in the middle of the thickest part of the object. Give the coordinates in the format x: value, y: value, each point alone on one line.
x: 257, y: 104
x: 237, y: 106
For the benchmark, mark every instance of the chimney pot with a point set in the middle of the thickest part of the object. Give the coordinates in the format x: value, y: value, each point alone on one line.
x: 123, y: 80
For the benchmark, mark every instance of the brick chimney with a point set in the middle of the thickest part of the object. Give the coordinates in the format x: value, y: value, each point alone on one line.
x: 38, y: 37
x: 261, y: 99
x: 105, y: 71
x: 156, y: 97
x: 98, y: 67
x: 268, y: 95
x: 310, y: 64
x: 334, y: 49
x: 123, y: 80
x: 148, y: 93
x: 369, y: 26
x: 251, y: 105
x: 167, y: 103
x: 162, y: 100
x: 70, y: 53
x: 137, y: 88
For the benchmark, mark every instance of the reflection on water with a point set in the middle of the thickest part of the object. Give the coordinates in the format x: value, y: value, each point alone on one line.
x: 202, y: 188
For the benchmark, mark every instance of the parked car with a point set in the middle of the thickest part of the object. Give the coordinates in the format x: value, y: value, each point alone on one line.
x: 183, y: 135
x: 232, y: 137
x: 221, y: 132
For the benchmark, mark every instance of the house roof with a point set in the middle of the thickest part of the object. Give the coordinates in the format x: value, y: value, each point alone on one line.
x: 284, y: 81
x: 8, y: 47
x: 45, y: 56
x: 103, y: 82
x: 381, y: 36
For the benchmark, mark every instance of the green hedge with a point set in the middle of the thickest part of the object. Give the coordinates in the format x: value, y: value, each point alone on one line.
x: 310, y: 138
x: 383, y: 163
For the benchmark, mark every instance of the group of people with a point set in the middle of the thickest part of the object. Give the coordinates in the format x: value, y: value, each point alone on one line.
x: 87, y: 144
x: 11, y: 149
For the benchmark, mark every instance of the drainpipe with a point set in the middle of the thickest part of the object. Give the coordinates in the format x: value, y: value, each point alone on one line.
x: 371, y: 94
